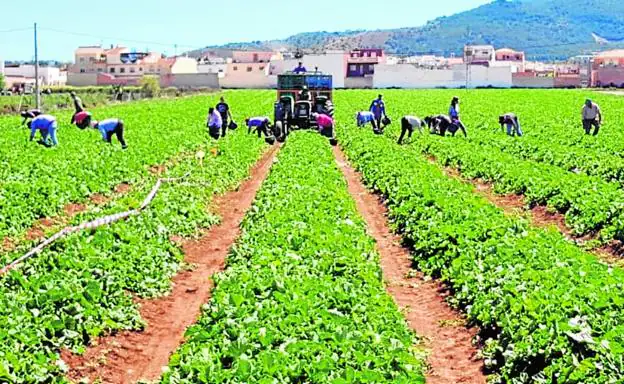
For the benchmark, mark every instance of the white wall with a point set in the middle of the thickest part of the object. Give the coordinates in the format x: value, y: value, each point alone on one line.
x: 47, y: 75
x: 331, y: 63
x: 220, y: 69
x: 251, y: 80
x: 409, y: 76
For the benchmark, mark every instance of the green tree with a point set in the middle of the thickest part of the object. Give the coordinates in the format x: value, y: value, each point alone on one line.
x: 2, y: 82
x: 150, y: 86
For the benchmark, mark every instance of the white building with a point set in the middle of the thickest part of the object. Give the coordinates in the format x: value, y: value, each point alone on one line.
x: 48, y: 76
x: 479, y: 54
x: 412, y: 76
x: 216, y: 65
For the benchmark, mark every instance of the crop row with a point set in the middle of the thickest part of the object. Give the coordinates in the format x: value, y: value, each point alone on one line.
x: 36, y: 182
x: 302, y: 299
x: 547, y: 311
x: 82, y: 286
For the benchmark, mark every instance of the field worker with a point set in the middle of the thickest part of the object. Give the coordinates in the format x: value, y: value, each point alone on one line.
x: 224, y: 110
x: 441, y: 124
x: 513, y: 125
x: 378, y: 108
x: 110, y: 127
x: 454, y: 115
x: 46, y: 124
x: 591, y: 116
x: 82, y: 119
x: 325, y: 124
x: 408, y: 124
x: 259, y: 124
x: 78, y: 106
x: 30, y: 114
x: 214, y: 122
x: 300, y: 69
x: 365, y: 117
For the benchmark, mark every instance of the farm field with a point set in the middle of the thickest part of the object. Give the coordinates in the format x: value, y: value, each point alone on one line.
x: 301, y: 296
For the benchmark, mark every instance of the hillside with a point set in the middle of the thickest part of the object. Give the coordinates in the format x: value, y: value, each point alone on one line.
x: 545, y: 29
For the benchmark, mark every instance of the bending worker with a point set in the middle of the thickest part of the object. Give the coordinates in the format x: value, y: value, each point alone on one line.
x: 408, y: 124
x: 259, y: 124
x: 78, y: 106
x: 326, y: 126
x: 363, y: 118
x: 47, y: 126
x: 592, y: 116
x: 224, y: 110
x: 214, y: 123
x: 513, y: 125
x: 30, y: 114
x: 110, y: 127
x: 378, y: 108
x: 82, y: 119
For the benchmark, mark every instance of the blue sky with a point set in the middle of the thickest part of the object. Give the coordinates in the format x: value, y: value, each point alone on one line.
x: 158, y: 25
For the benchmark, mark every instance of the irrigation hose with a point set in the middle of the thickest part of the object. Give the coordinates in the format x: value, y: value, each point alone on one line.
x: 107, y: 220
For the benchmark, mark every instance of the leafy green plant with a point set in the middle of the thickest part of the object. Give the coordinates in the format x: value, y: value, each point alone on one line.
x: 302, y: 299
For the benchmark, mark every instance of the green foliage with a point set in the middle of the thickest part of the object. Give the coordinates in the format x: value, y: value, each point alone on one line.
x: 2, y: 82
x: 150, y: 85
x: 82, y: 286
x: 302, y: 299
x: 547, y: 311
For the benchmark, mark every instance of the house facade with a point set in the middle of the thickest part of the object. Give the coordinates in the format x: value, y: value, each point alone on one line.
x: 479, y: 54
x: 608, y: 69
x: 509, y: 57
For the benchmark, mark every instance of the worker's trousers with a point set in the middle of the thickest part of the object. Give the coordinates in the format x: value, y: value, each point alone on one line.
x: 587, y: 125
x: 511, y: 130
x: 119, y: 132
x: 50, y: 133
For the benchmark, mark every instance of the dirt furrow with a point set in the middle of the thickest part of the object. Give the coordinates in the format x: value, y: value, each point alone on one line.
x: 128, y: 357
x: 539, y: 216
x: 453, y: 357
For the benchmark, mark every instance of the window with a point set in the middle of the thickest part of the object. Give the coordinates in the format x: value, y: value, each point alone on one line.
x: 140, y: 69
x: 220, y: 70
x: 112, y: 70
x: 122, y: 70
x: 255, y: 58
x: 151, y: 69
x: 261, y: 68
x: 374, y: 54
x: 132, y: 70
x: 82, y: 59
x: 235, y: 68
x: 352, y: 67
x: 249, y: 69
x: 100, y: 70
x: 82, y: 70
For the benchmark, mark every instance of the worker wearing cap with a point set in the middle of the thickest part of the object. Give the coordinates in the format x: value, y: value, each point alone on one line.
x: 82, y: 119
x: 214, y: 123
x: 78, y: 106
x: 259, y: 124
x: 513, y: 125
x: 30, y: 114
x: 46, y: 125
x: 110, y: 127
x: 224, y: 110
x: 592, y: 116
x: 408, y: 124
x: 378, y: 108
x: 300, y: 69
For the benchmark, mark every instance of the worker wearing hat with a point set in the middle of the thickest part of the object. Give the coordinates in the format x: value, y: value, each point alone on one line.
x: 82, y: 119
x: 592, y: 116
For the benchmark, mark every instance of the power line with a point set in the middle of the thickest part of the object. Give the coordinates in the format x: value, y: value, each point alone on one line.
x: 16, y: 30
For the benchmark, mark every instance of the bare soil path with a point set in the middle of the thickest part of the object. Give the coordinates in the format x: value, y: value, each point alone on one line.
x: 128, y: 357
x: 452, y: 357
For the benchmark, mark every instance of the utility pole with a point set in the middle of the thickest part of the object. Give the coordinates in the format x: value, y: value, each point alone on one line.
x: 175, y: 47
x: 37, y: 93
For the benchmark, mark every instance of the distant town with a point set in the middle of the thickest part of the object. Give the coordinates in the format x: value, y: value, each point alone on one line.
x: 480, y: 66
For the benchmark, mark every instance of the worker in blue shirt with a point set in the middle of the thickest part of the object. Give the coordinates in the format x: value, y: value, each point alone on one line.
x: 46, y: 125
x: 110, y: 127
x: 300, y: 69
x: 455, y: 120
x: 513, y: 125
x: 365, y: 117
x: 378, y: 108
x: 259, y: 124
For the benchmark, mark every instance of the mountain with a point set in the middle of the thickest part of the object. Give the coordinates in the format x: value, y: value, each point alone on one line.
x: 544, y: 29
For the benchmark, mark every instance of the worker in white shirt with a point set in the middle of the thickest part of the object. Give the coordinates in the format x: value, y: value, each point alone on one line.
x: 408, y: 124
x: 592, y: 116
